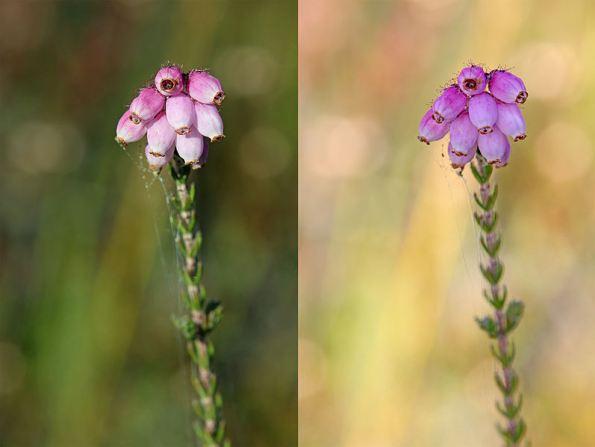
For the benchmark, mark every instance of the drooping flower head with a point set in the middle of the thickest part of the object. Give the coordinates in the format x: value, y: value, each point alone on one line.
x: 479, y: 121
x: 175, y: 117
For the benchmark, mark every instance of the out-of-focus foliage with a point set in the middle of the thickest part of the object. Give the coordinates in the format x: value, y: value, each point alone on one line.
x: 389, y: 284
x: 88, y: 354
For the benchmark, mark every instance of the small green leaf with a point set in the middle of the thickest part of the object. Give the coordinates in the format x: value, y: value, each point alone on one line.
x: 514, y: 313
x: 490, y: 249
x: 488, y: 226
x: 186, y: 326
x: 492, y: 276
x: 479, y: 202
x: 521, y: 428
x: 480, y: 179
x: 488, y: 325
x: 492, y: 198
x: 500, y: 383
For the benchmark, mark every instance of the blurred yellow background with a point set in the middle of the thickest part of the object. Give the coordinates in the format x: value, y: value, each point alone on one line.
x: 389, y: 352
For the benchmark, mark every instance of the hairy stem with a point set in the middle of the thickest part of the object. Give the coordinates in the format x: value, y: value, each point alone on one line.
x: 506, y: 313
x: 203, y: 314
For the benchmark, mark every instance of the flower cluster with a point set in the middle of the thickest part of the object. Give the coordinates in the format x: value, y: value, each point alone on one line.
x: 177, y: 112
x: 477, y: 119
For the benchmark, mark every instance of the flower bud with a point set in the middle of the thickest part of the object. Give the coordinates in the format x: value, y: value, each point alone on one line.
x: 160, y: 135
x: 511, y: 121
x: 483, y: 112
x: 430, y: 130
x: 180, y: 113
x: 458, y: 160
x: 463, y: 135
x: 146, y: 105
x: 205, y: 88
x: 190, y: 146
x: 157, y: 161
x: 128, y: 131
x: 209, y: 122
x: 449, y: 104
x: 169, y: 80
x: 494, y: 146
x: 507, y: 87
x: 472, y: 80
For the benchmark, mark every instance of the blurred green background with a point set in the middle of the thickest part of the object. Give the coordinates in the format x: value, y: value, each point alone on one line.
x: 88, y: 355
x: 389, y: 285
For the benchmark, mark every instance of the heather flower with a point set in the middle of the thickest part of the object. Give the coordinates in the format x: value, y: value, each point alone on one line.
x: 128, y: 131
x: 146, y: 105
x: 507, y: 87
x: 165, y: 113
x: 463, y: 135
x: 479, y: 136
x: 430, y: 130
x: 483, y: 112
x: 209, y: 122
x: 161, y: 136
x: 157, y: 161
x: 205, y: 88
x: 472, y: 80
x: 190, y: 147
x: 511, y: 121
x: 479, y: 114
x: 457, y: 160
x: 494, y: 146
x: 449, y: 104
x: 169, y: 80
x: 168, y: 116
x: 180, y: 113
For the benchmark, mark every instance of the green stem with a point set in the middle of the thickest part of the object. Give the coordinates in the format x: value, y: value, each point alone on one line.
x: 506, y: 314
x: 203, y: 314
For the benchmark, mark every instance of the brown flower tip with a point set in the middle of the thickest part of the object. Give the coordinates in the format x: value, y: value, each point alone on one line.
x: 168, y: 84
x: 522, y: 97
x: 219, y: 97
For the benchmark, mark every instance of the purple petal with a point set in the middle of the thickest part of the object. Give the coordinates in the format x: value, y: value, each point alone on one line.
x: 430, y: 130
x: 507, y: 87
x: 457, y: 160
x: 160, y: 135
x: 205, y: 88
x: 494, y: 146
x: 463, y: 135
x: 449, y: 104
x: 483, y: 112
x: 511, y: 121
x: 180, y: 113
